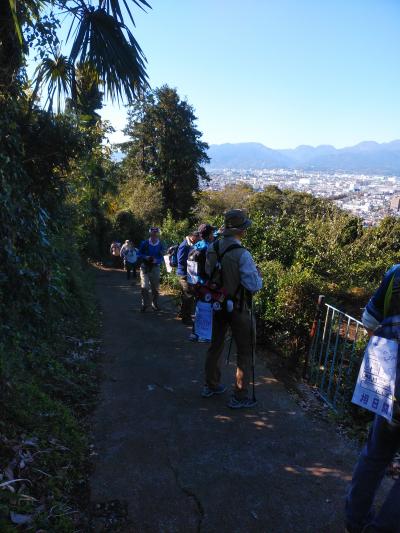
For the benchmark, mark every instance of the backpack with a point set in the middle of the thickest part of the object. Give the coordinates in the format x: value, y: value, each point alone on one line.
x: 217, y: 277
x: 173, y: 255
x: 213, y: 290
x: 196, y: 266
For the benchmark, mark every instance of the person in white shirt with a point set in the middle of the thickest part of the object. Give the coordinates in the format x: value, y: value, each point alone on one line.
x: 240, y: 278
x: 129, y: 256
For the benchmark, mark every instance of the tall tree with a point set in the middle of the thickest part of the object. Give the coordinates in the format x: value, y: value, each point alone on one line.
x: 166, y: 147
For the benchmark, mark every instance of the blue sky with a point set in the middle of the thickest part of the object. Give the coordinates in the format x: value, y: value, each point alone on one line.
x: 280, y: 72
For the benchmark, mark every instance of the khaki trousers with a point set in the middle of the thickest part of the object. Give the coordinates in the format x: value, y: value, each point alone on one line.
x: 187, y: 299
x: 242, y: 330
x: 150, y: 280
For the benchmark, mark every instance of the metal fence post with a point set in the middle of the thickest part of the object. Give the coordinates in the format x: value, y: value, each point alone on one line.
x: 314, y: 329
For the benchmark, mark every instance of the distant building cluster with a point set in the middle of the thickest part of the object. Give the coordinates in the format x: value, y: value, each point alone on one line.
x: 370, y: 197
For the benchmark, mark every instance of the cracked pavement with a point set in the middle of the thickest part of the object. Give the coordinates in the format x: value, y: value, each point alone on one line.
x: 187, y: 464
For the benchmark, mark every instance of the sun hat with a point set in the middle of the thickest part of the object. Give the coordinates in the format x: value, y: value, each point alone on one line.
x: 235, y: 220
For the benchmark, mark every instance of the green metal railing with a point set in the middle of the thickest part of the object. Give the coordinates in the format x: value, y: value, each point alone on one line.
x: 337, y: 344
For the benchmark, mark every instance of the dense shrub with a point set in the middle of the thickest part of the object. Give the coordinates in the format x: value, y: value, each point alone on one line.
x: 306, y: 246
x: 44, y: 299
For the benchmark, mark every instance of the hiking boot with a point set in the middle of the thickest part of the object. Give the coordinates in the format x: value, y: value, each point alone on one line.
x: 207, y: 391
x: 155, y: 307
x: 243, y: 403
x: 193, y: 337
x: 143, y: 309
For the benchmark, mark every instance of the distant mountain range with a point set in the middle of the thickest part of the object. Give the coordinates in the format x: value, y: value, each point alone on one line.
x: 366, y: 157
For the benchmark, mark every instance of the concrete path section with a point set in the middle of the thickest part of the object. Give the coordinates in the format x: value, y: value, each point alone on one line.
x: 186, y: 464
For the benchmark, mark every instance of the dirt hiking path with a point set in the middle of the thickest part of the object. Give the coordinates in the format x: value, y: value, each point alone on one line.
x: 181, y: 463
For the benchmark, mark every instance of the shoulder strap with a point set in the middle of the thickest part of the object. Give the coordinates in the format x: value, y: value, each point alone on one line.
x: 234, y: 246
x: 220, y: 256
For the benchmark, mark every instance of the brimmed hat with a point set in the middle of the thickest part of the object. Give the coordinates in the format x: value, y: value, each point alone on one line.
x: 235, y: 220
x: 205, y: 230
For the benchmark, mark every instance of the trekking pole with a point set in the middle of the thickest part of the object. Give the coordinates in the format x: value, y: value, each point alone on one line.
x: 253, y: 355
x: 229, y: 350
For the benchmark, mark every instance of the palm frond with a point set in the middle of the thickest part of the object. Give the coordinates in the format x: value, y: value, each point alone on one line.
x: 57, y: 73
x: 110, y: 48
x: 17, y: 26
x: 112, y: 7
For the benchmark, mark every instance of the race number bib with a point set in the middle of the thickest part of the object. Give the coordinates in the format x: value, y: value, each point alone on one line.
x: 192, y: 272
x: 377, y: 377
x: 203, y: 320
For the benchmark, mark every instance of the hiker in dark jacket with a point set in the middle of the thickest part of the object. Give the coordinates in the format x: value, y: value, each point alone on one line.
x: 382, y: 319
x: 187, y: 298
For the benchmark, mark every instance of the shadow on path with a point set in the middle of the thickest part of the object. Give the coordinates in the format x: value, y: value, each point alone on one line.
x: 187, y: 464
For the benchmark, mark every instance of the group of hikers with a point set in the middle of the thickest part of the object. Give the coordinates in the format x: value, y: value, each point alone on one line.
x: 214, y: 267
x: 148, y: 258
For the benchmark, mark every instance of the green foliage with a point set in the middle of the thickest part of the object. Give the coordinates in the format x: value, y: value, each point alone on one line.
x: 210, y: 205
x: 174, y: 231
x: 275, y: 238
x: 43, y: 299
x: 126, y: 226
x: 90, y: 182
x: 165, y: 149
x: 143, y: 199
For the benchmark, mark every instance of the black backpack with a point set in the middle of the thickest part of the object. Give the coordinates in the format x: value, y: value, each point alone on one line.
x: 196, y: 266
x: 173, y: 255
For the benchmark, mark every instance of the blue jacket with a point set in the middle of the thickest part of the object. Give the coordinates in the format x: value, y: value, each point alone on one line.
x: 385, y: 302
x: 202, y: 245
x: 154, y: 250
x: 182, y: 255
